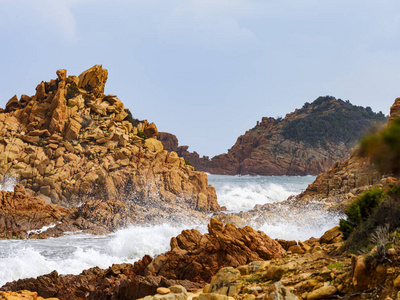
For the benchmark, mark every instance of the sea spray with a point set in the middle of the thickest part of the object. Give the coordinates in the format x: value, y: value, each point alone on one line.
x: 135, y: 241
x: 289, y: 223
x: 72, y: 254
x: 8, y: 183
x: 238, y: 193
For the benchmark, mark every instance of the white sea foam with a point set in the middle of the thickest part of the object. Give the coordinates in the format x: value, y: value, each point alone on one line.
x: 73, y: 254
x: 246, y: 197
x: 43, y: 229
x: 300, y: 226
x: 136, y: 241
x: 8, y: 183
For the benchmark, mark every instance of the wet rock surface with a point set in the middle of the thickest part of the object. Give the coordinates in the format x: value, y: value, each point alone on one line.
x: 192, y: 261
x: 71, y: 144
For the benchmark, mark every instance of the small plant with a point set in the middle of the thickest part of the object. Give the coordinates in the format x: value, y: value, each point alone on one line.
x: 382, y: 240
x: 336, y: 265
x: 189, y: 163
x: 130, y: 118
x: 142, y: 134
x: 360, y: 210
x: 72, y: 91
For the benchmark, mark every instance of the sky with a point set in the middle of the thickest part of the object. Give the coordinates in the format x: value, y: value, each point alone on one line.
x: 208, y: 70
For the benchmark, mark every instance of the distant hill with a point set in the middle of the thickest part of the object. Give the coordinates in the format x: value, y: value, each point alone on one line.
x: 307, y: 141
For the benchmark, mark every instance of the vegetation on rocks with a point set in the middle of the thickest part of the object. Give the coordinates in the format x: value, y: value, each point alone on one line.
x: 377, y: 208
x: 329, y: 121
x: 307, y: 141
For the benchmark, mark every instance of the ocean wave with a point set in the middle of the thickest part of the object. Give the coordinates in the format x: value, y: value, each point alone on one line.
x: 246, y: 197
x: 73, y: 254
x: 292, y: 223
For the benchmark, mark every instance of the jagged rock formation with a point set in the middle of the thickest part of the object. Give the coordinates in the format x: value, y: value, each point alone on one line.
x: 170, y: 143
x: 192, y: 261
x: 307, y: 141
x: 25, y: 216
x: 69, y: 143
x: 320, y: 271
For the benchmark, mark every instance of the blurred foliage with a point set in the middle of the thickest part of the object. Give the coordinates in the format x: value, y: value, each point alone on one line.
x: 329, y: 120
x: 384, y: 147
x: 374, y: 209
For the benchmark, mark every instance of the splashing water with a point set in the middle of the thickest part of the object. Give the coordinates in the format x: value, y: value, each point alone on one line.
x: 244, y: 192
x: 74, y: 253
x: 8, y: 183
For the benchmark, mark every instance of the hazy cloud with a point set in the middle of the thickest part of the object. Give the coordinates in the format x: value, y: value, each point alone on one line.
x: 41, y: 18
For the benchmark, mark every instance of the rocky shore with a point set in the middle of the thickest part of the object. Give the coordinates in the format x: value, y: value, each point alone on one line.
x: 73, y: 146
x: 85, y: 164
x: 231, y: 263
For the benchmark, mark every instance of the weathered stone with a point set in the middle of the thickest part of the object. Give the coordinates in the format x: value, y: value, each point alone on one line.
x: 331, y: 236
x: 61, y: 74
x: 12, y: 104
x: 153, y: 145
x: 163, y: 290
x: 322, y: 292
x: 93, y: 80
x: 121, y: 116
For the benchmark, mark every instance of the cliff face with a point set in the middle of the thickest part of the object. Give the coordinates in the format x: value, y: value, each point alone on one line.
x: 348, y: 178
x: 71, y: 143
x: 307, y: 141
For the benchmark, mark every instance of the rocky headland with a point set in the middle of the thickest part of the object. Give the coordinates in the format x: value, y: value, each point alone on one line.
x: 73, y: 146
x: 232, y: 263
x: 307, y: 141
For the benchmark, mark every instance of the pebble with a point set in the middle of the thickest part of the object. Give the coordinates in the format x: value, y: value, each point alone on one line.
x: 163, y: 290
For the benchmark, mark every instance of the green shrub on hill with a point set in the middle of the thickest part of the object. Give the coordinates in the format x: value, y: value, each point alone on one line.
x: 360, y: 210
x: 374, y: 209
x: 384, y: 148
x: 331, y: 120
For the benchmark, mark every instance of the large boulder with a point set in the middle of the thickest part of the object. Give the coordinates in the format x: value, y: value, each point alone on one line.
x: 94, y: 80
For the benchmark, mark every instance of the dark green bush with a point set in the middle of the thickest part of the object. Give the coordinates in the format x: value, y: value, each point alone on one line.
x: 360, y: 210
x: 331, y: 120
x: 384, y: 147
x: 377, y: 209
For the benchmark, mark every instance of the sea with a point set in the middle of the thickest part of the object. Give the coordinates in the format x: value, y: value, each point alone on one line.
x: 73, y: 253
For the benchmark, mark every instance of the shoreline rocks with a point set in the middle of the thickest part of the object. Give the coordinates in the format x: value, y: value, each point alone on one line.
x: 192, y: 261
x: 70, y: 144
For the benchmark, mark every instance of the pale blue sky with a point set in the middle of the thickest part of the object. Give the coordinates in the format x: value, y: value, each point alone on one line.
x: 207, y: 70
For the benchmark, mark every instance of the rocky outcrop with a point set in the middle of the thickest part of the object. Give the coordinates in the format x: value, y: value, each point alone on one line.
x: 192, y: 261
x: 20, y: 213
x: 27, y: 295
x: 197, y: 257
x: 170, y: 143
x: 345, y: 180
x: 70, y: 143
x: 322, y: 271
x: 25, y: 216
x: 307, y: 141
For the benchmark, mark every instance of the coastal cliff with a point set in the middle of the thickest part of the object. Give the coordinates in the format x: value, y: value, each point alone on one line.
x: 346, y: 179
x: 307, y: 141
x: 70, y: 143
